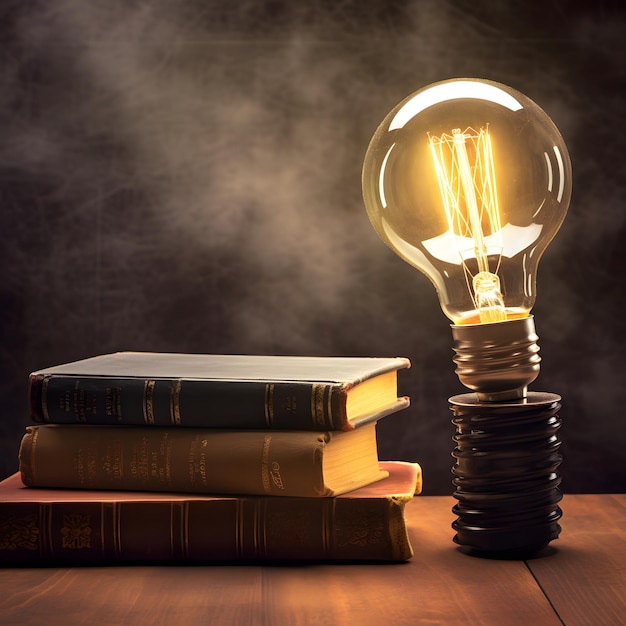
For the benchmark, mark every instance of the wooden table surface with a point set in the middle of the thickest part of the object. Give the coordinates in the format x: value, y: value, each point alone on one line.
x: 579, y: 580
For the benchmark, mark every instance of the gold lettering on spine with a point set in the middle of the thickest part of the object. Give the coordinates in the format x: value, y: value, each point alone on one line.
x: 79, y: 403
x: 175, y: 402
x: 160, y: 461
x: 265, y: 472
x: 197, y: 461
x: 139, y: 464
x: 85, y: 464
x: 112, y: 462
x: 269, y: 404
x: 148, y: 401
x: 44, y: 398
x: 318, y: 406
x: 270, y: 472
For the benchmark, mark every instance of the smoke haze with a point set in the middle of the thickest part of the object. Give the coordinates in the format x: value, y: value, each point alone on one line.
x: 186, y: 177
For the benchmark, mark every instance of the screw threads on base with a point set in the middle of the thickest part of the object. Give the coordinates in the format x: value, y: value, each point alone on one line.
x: 506, y: 478
x: 499, y: 360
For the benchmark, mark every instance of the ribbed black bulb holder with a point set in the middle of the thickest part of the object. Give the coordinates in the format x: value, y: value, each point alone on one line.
x: 507, y: 451
x: 506, y: 478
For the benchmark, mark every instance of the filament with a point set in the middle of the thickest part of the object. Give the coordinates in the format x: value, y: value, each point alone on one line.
x: 465, y: 171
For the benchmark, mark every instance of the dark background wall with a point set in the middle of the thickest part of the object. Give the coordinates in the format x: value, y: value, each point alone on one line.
x: 185, y: 176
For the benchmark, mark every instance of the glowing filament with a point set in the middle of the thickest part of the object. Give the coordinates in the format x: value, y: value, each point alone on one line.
x: 464, y: 166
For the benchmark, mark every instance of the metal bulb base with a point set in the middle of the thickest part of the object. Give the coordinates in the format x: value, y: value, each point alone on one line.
x: 498, y: 360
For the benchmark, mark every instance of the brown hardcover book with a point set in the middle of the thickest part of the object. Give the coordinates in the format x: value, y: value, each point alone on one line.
x: 51, y: 525
x: 218, y: 391
x: 200, y: 460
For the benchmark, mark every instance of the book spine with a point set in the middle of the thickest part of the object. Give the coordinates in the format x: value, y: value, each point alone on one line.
x: 232, y: 529
x: 184, y: 402
x: 170, y: 459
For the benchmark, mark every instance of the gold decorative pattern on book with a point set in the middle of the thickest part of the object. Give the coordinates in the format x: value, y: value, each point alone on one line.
x: 265, y: 470
x: 197, y: 461
x: 148, y: 401
x: 19, y: 532
x: 175, y: 402
x: 76, y: 532
x: 318, y: 405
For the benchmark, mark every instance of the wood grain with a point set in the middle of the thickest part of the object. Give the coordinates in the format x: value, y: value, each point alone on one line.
x: 582, y: 576
x: 585, y: 576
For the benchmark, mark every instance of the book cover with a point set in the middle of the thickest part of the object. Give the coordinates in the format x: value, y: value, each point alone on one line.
x: 41, y: 526
x: 199, y: 460
x: 218, y: 391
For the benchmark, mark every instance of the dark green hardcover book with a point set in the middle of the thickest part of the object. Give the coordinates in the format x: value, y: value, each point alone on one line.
x: 218, y: 391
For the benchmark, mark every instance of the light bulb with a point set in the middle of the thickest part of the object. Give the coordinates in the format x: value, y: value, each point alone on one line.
x: 468, y: 181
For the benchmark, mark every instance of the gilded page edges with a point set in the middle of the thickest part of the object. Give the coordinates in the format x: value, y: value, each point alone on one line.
x: 419, y: 480
x: 401, y: 548
x: 175, y: 402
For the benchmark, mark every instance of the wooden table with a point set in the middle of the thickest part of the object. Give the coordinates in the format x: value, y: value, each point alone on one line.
x: 580, y: 580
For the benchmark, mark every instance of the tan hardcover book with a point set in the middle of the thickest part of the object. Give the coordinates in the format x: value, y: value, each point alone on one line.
x: 52, y: 525
x: 218, y: 391
x: 198, y: 460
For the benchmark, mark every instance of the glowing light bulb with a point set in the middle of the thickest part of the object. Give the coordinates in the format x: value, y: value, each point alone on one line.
x: 468, y: 181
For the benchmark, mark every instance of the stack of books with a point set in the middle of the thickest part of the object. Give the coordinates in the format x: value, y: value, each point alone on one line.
x: 140, y: 456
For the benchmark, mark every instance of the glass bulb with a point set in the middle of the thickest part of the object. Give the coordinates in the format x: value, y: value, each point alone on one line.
x: 469, y: 180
